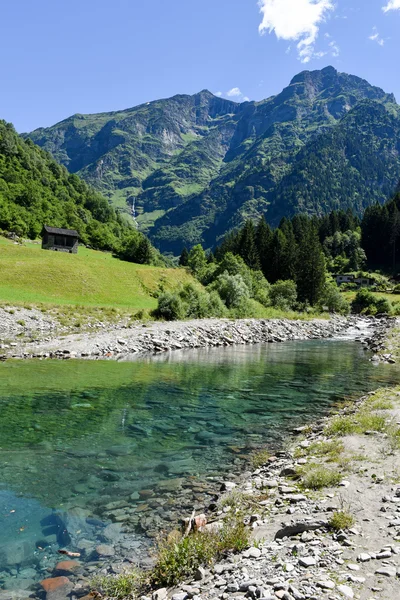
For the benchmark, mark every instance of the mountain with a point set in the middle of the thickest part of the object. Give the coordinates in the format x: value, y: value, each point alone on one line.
x: 35, y: 190
x: 196, y: 166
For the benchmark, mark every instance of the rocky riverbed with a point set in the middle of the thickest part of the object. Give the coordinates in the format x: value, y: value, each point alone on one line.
x: 126, y: 341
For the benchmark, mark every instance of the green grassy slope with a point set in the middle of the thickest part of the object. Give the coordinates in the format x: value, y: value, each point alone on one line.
x: 30, y: 274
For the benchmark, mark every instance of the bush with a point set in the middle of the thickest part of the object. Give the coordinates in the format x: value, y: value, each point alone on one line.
x: 334, y: 300
x: 283, y: 294
x: 179, y: 557
x: 341, y: 520
x: 396, y: 289
x: 368, y: 303
x: 319, y: 477
x: 170, y: 307
x: 232, y: 289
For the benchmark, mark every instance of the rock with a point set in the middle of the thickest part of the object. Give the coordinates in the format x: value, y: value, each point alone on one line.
x: 270, y: 483
x: 300, y: 527
x: 386, y: 571
x: 180, y: 596
x: 384, y: 554
x: 326, y: 584
x: 160, y: 594
x: 252, y: 553
x: 199, y: 575
x: 346, y: 591
x: 307, y: 561
x: 363, y: 557
x: 67, y: 566
x: 57, y: 588
x: 112, y: 532
x: 105, y: 550
x: 227, y: 486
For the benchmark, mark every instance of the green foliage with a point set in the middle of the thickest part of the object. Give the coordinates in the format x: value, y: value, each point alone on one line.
x: 35, y: 190
x: 136, y: 248
x: 316, y: 477
x: 184, y: 258
x: 120, y: 587
x: 197, y: 260
x: 311, y: 272
x: 179, y: 557
x: 368, y: 303
x: 170, y: 307
x: 190, y: 302
x: 232, y: 289
x: 341, y: 520
x: 334, y: 300
x: 283, y: 294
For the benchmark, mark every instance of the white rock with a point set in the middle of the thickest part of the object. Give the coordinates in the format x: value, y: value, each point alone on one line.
x: 326, y: 584
x: 307, y: 561
x: 363, y: 557
x: 160, y: 594
x: 353, y: 567
x: 386, y: 571
x: 252, y: 553
x: 346, y: 591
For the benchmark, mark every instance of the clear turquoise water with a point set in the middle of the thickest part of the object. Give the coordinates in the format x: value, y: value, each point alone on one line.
x: 76, y: 436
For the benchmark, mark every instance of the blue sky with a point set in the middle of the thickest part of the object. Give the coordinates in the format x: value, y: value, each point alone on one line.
x: 62, y: 57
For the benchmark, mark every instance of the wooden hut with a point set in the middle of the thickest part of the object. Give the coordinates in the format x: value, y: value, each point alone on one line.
x: 60, y: 240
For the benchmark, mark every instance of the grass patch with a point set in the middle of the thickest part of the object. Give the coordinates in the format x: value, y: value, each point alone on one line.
x: 316, y: 477
x: 30, y: 275
x: 179, y: 557
x: 341, y: 520
x: 120, y: 587
x: 358, y: 423
x: 259, y: 459
x: 330, y: 449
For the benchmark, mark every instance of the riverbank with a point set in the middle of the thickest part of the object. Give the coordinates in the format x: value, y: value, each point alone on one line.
x: 124, y: 341
x: 323, y: 513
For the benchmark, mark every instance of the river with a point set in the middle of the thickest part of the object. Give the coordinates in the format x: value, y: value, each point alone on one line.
x: 109, y: 453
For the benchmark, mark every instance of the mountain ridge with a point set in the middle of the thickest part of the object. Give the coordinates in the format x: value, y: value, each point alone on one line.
x: 187, y: 162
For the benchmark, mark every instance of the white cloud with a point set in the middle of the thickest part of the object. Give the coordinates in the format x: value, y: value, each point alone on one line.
x: 234, y: 93
x: 297, y: 20
x: 391, y: 5
x: 246, y: 99
x: 335, y: 50
x: 219, y: 94
x: 375, y: 37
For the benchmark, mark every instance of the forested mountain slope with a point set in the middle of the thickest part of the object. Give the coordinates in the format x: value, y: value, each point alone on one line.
x: 197, y: 166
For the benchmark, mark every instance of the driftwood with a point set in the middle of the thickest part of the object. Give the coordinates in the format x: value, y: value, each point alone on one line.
x: 300, y: 527
x: 189, y: 525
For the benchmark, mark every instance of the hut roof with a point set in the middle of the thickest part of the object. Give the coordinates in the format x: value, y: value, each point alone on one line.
x: 58, y: 231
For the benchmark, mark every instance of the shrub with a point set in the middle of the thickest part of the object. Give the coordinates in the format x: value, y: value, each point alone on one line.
x: 341, y: 520
x: 334, y: 300
x: 319, y: 477
x: 232, y: 289
x: 396, y: 289
x: 368, y: 303
x: 283, y: 294
x: 170, y: 307
x: 179, y: 557
x: 121, y: 586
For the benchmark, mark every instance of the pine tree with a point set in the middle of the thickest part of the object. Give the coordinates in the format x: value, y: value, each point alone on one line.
x: 263, y: 243
x: 311, y: 270
x: 276, y: 267
x: 184, y: 258
x: 247, y: 246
